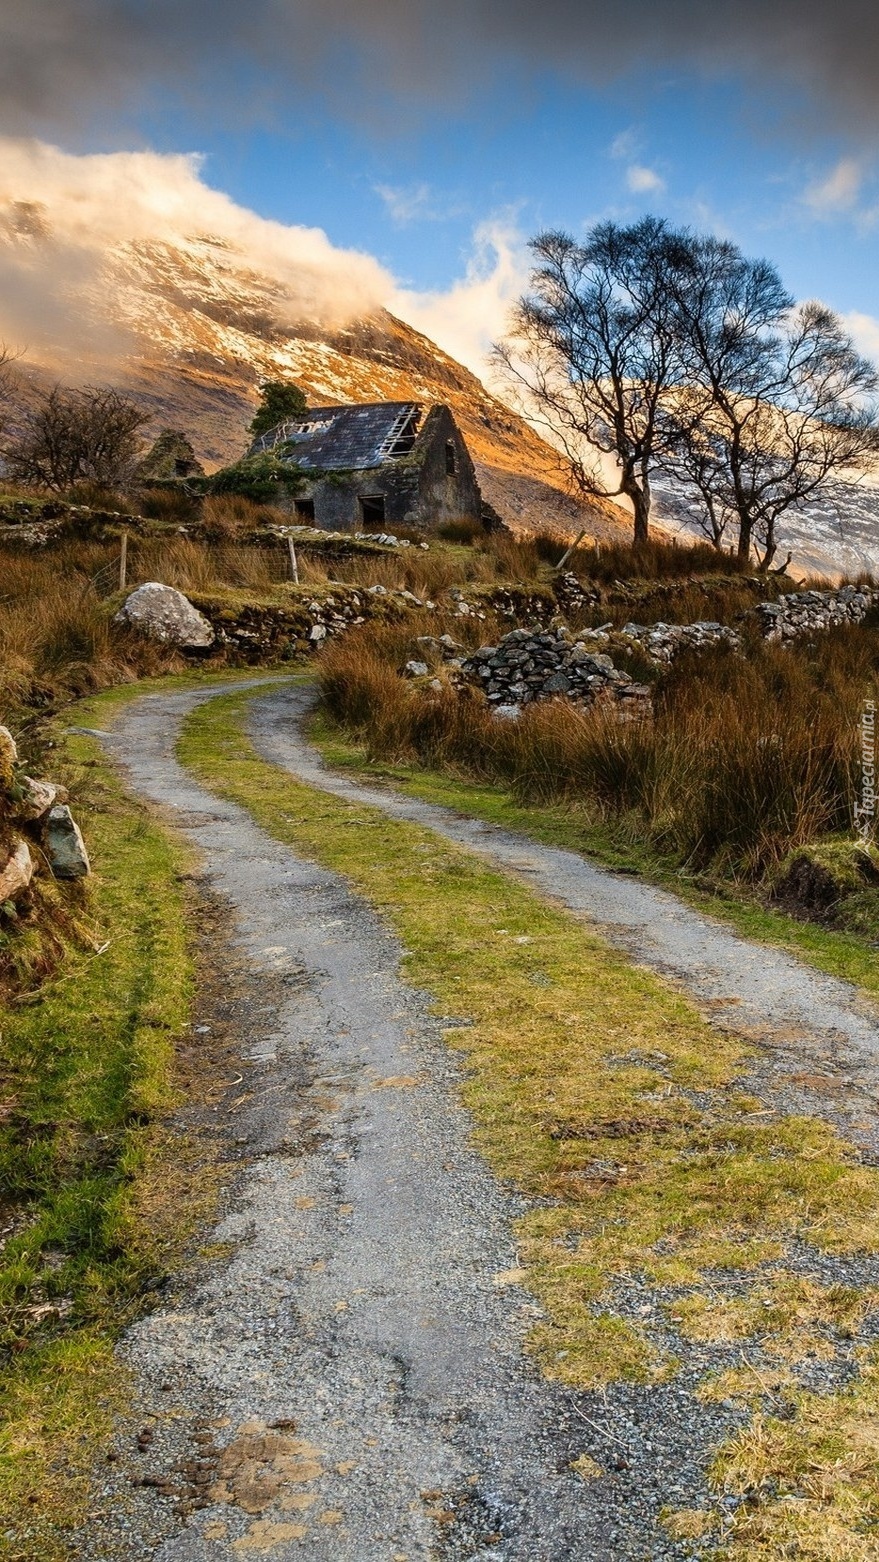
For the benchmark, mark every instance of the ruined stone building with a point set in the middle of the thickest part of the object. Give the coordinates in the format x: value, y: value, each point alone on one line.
x: 376, y: 466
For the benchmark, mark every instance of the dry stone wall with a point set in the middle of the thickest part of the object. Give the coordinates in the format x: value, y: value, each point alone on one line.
x: 812, y: 612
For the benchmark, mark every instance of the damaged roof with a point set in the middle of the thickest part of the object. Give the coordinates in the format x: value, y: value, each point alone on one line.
x: 346, y: 439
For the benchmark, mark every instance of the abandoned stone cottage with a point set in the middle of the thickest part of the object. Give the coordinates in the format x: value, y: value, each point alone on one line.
x: 377, y: 466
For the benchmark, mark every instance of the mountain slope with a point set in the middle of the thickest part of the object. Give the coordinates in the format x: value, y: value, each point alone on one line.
x: 196, y: 329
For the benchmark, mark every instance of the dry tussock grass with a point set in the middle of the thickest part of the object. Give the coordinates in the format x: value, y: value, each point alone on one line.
x: 746, y: 758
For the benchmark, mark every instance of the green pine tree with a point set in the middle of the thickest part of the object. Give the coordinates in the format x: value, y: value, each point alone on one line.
x: 279, y: 399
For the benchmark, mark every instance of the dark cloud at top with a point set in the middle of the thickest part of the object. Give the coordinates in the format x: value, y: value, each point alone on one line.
x: 67, y: 64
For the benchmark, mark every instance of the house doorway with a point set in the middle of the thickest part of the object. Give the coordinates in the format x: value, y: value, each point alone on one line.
x: 304, y: 509
x: 372, y: 510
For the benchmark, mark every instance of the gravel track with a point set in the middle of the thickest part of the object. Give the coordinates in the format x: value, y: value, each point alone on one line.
x: 818, y: 1037
x: 345, y: 1379
x: 352, y: 1374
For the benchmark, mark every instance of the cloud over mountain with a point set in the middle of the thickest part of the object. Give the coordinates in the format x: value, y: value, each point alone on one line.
x: 63, y: 217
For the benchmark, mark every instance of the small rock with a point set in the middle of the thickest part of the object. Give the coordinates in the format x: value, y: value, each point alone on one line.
x: 8, y: 751
x: 17, y: 873
x: 65, y: 847
x: 317, y: 633
x: 39, y: 797
x: 415, y: 669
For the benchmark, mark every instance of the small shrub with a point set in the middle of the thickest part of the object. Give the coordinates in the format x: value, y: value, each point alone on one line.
x: 263, y: 478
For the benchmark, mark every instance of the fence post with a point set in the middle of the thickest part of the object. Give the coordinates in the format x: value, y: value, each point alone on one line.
x: 574, y: 545
x: 123, y: 561
x: 294, y: 567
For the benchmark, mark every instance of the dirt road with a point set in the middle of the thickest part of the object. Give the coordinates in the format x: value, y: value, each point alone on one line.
x: 344, y: 1377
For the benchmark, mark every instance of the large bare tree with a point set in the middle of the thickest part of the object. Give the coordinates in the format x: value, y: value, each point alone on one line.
x: 593, y: 350
x: 71, y: 436
x: 772, y: 400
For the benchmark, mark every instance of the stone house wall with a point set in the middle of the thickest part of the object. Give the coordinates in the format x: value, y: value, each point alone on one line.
x: 436, y: 482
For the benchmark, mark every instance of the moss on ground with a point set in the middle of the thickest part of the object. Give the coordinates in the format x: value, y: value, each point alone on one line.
x: 99, y: 1189
x: 611, y: 1104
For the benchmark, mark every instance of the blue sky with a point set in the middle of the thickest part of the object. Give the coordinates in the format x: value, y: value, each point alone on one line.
x: 710, y: 154
x: 437, y: 141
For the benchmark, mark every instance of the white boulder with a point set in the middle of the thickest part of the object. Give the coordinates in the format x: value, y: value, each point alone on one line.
x: 165, y: 614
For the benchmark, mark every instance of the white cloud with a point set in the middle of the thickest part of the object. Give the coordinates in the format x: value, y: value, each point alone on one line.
x: 644, y: 181
x: 625, y: 145
x: 405, y: 204
x: 838, y: 191
x: 865, y: 333
x: 468, y: 317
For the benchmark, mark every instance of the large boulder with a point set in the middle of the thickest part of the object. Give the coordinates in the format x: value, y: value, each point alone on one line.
x: 17, y: 871
x: 65, y: 847
x: 165, y: 614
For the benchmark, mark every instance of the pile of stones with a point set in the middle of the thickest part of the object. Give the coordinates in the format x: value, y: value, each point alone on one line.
x: 542, y: 664
x: 37, y: 828
x: 810, y: 612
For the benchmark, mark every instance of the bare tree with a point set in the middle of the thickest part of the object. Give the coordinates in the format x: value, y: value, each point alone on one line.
x: 773, y: 400
x: 72, y: 436
x: 593, y: 350
x: 7, y: 359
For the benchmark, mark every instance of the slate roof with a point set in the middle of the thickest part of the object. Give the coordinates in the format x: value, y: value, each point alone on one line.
x: 346, y: 439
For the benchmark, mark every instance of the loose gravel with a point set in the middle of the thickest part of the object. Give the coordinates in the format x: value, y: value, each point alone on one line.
x: 345, y: 1379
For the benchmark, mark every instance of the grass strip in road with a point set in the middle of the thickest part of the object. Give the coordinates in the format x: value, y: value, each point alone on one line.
x: 94, y: 1180
x: 610, y: 843
x: 603, y: 1096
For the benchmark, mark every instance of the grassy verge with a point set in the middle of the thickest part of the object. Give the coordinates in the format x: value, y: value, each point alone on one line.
x: 845, y: 955
x: 95, y: 1182
x: 604, y: 1096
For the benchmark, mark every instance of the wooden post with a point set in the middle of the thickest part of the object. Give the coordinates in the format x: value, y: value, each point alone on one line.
x: 294, y: 567
x: 123, y: 562
x: 574, y: 545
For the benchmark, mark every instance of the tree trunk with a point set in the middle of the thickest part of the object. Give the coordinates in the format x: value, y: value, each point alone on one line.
x: 641, y: 506
x: 743, y: 551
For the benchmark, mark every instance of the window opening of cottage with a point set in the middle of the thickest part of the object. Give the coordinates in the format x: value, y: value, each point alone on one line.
x: 304, y: 509
x: 451, y: 458
x: 372, y: 509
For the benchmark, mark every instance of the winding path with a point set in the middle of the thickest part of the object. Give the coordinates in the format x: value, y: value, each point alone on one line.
x: 819, y: 1037
x: 346, y: 1380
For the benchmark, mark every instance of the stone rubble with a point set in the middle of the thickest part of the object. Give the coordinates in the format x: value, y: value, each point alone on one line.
x: 809, y: 612
x: 540, y: 664
x: 36, y: 828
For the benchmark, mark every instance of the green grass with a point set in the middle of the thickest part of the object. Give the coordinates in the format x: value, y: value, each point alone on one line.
x: 603, y: 1096
x: 93, y: 1179
x: 845, y: 955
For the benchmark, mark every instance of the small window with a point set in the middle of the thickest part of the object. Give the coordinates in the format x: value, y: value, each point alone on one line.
x: 372, y: 510
x: 304, y: 509
x: 451, y: 459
